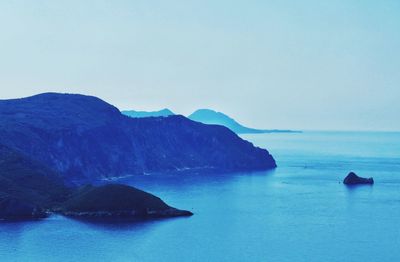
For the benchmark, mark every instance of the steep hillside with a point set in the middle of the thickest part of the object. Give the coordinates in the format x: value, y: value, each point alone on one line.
x: 27, y: 188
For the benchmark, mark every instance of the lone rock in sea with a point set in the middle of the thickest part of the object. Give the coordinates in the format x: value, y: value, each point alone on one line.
x: 353, y: 179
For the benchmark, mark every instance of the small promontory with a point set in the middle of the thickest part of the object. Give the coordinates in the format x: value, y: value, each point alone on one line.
x: 117, y: 201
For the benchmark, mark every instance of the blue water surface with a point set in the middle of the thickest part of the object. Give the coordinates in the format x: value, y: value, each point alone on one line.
x: 299, y: 212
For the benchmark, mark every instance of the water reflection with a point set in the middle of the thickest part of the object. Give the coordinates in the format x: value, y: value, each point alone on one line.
x: 134, y: 224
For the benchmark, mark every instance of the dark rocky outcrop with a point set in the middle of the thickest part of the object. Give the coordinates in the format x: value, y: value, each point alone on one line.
x: 353, y: 179
x: 116, y: 201
x: 85, y: 139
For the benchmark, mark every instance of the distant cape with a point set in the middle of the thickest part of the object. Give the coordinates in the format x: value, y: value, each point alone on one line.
x: 211, y: 117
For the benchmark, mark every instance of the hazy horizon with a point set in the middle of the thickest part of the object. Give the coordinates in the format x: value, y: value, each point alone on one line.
x: 313, y: 65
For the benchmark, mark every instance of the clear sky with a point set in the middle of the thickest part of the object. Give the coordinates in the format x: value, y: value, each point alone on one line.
x: 269, y: 64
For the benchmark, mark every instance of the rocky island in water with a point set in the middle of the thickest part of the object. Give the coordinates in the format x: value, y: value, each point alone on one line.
x: 353, y: 179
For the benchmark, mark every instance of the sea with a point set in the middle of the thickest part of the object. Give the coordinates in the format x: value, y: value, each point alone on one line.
x: 301, y: 211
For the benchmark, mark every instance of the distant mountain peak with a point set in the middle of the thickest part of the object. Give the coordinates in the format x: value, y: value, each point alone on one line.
x: 209, y: 116
x: 58, y: 111
x: 210, y: 113
x: 212, y: 117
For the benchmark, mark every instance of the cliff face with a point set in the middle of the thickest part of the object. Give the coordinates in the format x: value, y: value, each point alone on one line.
x: 85, y: 139
x: 27, y: 180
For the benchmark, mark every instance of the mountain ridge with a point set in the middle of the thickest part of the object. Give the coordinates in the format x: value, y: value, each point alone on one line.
x: 210, y: 117
x: 86, y: 139
x: 140, y: 114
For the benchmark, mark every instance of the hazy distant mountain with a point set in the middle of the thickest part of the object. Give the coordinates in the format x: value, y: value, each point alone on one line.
x: 84, y: 139
x: 139, y: 114
x: 211, y: 117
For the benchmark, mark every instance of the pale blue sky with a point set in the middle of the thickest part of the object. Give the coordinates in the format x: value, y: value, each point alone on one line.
x: 270, y: 64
